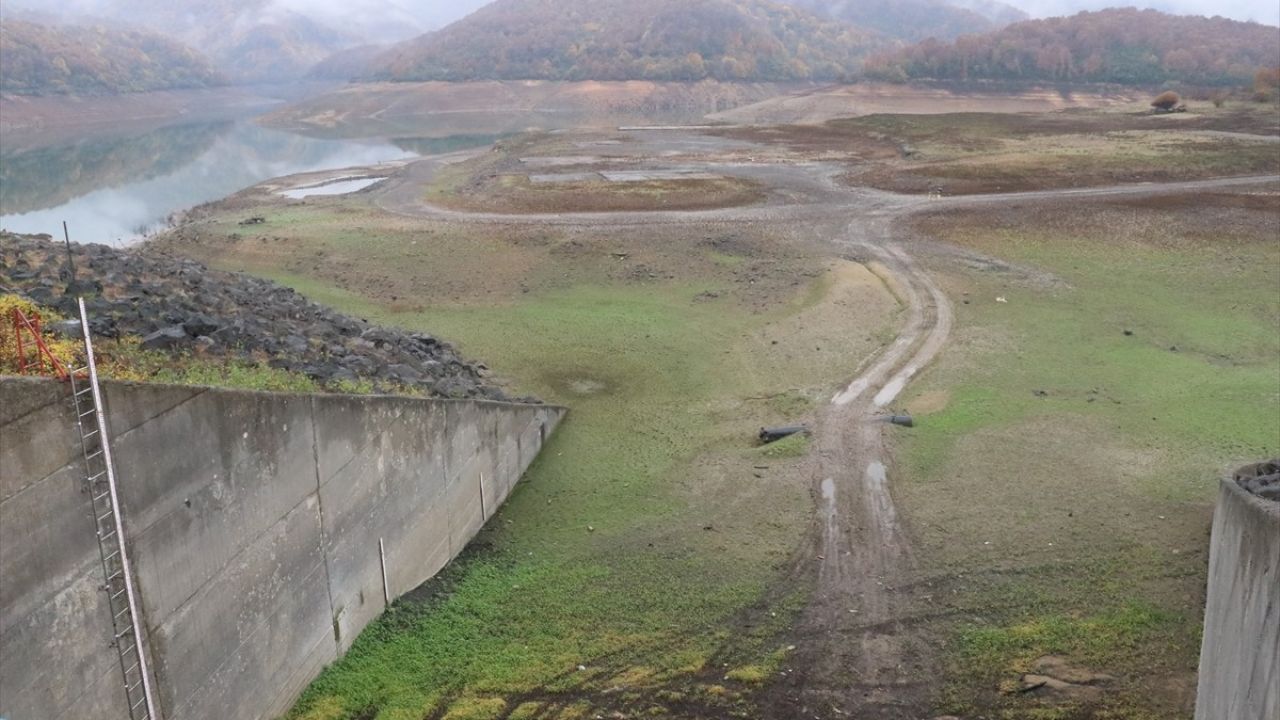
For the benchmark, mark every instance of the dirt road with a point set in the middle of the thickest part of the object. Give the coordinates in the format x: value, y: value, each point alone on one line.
x: 802, y: 192
x: 857, y: 652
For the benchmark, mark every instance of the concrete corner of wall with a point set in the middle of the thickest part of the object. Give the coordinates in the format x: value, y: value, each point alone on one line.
x: 1240, y: 652
x: 266, y: 531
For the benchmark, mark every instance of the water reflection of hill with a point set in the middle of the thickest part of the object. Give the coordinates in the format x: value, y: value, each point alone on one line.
x: 47, y: 177
x: 117, y: 189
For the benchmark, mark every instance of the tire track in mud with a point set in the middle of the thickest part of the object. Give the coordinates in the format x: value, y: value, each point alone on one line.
x: 856, y: 657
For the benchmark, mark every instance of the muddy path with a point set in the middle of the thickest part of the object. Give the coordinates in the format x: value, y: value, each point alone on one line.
x: 858, y: 653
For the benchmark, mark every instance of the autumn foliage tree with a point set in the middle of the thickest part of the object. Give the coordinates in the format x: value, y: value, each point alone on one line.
x: 910, y: 20
x: 1125, y: 46
x: 1266, y: 84
x: 1167, y: 100
x: 631, y: 40
x: 42, y: 60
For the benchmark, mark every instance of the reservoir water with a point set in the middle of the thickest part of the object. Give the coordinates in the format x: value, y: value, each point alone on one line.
x: 338, y: 187
x: 115, y: 189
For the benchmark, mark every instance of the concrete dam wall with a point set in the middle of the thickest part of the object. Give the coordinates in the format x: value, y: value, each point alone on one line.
x: 255, y: 523
x: 1240, y: 653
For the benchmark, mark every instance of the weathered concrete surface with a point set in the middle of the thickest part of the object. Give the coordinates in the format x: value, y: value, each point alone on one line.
x: 1240, y: 654
x: 255, y: 521
x: 54, y: 622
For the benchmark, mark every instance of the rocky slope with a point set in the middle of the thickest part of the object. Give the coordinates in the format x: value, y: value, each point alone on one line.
x: 178, y: 305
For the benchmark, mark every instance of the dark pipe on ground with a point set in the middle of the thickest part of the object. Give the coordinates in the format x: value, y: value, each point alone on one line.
x: 903, y: 420
x: 768, y: 435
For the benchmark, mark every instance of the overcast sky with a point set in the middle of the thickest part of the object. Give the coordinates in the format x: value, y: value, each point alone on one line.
x: 1267, y: 11
x: 1261, y: 10
x: 437, y: 13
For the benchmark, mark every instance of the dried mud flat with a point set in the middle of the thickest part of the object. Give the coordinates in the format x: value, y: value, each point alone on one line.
x: 829, y: 103
x: 505, y: 107
x: 981, y: 152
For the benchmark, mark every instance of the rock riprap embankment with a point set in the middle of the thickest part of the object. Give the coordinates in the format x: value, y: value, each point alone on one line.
x: 179, y: 305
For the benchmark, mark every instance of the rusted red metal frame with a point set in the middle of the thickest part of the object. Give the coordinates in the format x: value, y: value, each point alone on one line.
x: 22, y: 322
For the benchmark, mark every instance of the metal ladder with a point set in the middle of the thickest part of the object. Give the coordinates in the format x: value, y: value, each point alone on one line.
x: 101, y: 483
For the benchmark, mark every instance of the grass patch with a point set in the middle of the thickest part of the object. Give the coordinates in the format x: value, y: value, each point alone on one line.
x: 476, y: 709
x: 1196, y: 375
x: 750, y: 674
x: 599, y: 560
x: 1066, y: 488
x: 1094, y: 638
x: 789, y: 404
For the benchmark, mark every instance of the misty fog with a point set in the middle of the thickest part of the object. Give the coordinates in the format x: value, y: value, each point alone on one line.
x: 397, y: 19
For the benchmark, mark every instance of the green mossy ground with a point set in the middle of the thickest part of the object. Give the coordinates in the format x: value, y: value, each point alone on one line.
x: 1066, y: 488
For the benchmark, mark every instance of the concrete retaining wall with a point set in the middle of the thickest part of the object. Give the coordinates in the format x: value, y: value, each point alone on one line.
x: 254, y: 522
x: 1240, y: 654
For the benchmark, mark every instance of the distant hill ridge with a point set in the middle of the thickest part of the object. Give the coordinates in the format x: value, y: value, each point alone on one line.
x: 248, y: 41
x: 40, y: 59
x: 1124, y: 46
x: 632, y: 40
x: 914, y: 20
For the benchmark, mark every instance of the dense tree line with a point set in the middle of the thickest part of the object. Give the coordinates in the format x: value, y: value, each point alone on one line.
x: 47, y: 60
x: 1127, y: 46
x: 911, y: 20
x: 631, y: 39
x: 248, y: 41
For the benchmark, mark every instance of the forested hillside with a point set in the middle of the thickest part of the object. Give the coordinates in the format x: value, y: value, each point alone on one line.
x: 248, y: 41
x: 48, y: 60
x: 1127, y: 46
x: 347, y: 64
x: 631, y: 39
x: 909, y: 19
x: 272, y: 51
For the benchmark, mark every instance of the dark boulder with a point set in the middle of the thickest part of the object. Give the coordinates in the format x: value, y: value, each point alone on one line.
x: 66, y: 329
x: 198, y: 325
x: 166, y: 338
